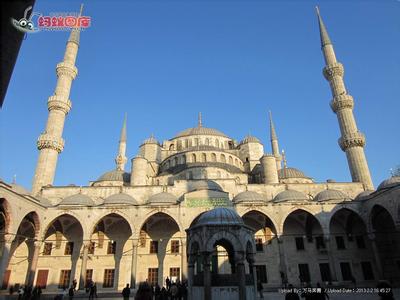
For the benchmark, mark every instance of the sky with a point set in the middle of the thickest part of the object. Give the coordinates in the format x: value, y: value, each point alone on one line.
x: 162, y: 62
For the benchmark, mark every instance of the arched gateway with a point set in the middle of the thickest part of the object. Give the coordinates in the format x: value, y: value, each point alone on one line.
x: 220, y: 230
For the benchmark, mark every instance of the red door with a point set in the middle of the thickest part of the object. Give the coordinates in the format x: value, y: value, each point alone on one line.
x: 6, y: 279
x: 41, y: 279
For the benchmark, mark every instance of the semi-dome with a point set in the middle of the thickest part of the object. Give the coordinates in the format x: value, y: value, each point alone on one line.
x: 198, y: 185
x: 327, y: 195
x: 162, y: 198
x: 200, y: 130
x: 390, y: 182
x: 250, y: 139
x: 248, y: 196
x: 220, y: 216
x: 363, y: 195
x: 120, y: 198
x: 77, y: 199
x: 115, y: 175
x: 290, y: 195
x: 291, y: 173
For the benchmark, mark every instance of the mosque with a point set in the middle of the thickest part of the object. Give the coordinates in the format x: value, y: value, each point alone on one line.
x: 132, y: 223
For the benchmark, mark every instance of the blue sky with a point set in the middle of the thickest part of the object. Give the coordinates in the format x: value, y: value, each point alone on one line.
x: 164, y: 61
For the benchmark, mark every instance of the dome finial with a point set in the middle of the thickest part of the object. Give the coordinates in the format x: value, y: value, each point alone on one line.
x: 284, y: 159
x: 199, y: 124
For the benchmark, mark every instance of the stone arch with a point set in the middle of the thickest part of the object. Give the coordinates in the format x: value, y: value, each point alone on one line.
x: 33, y: 218
x: 204, y: 157
x: 153, y: 213
x: 224, y: 235
x: 268, y: 219
x: 61, y: 214
x: 377, y: 209
x: 293, y: 209
x: 5, y: 216
x: 223, y: 158
x: 310, y: 221
x: 230, y: 160
x: 213, y: 157
x: 217, y: 143
x: 351, y: 216
x: 107, y: 213
x: 194, y: 159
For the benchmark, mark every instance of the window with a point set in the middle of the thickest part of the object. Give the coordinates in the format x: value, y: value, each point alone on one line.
x: 174, y: 272
x: 367, y: 270
x: 213, y: 157
x: 108, y: 278
x: 41, y: 278
x: 69, y: 248
x: 92, y: 245
x: 304, y: 273
x: 319, y: 242
x: 204, y: 157
x: 259, y: 245
x: 153, y: 246
x: 88, y: 277
x: 299, y: 243
x: 325, y: 271
x: 65, y: 275
x: 194, y: 158
x: 223, y: 158
x: 112, y: 247
x: 346, y: 271
x: 261, y: 271
x: 174, y: 246
x: 360, y: 242
x: 152, y: 275
x: 340, y: 243
x: 47, y: 248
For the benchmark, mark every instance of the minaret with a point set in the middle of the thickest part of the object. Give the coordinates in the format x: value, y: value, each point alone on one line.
x: 199, y: 121
x: 352, y: 141
x: 50, y: 143
x: 274, y: 142
x: 120, y: 160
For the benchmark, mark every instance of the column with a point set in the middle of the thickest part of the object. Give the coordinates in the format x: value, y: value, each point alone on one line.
x: 134, y: 263
x: 184, y: 259
x: 241, y: 276
x: 282, y: 259
x: 33, y: 262
x: 207, y: 275
x: 5, y: 258
x: 253, y: 270
x: 331, y: 258
x: 190, y: 276
x: 372, y: 238
x: 85, y: 254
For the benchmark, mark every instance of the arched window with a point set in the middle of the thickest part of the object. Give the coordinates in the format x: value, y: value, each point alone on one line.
x: 236, y: 162
x: 179, y: 145
x: 207, y: 141
x: 231, y: 160
x: 172, y: 147
x: 183, y: 159
x: 213, y: 157
x: 203, y: 157
x: 196, y: 142
x: 223, y: 158
x: 193, y: 157
x: 217, y: 143
x: 186, y: 143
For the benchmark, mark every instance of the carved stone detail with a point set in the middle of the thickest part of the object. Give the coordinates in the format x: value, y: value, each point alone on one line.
x: 332, y: 70
x: 356, y: 139
x: 66, y: 69
x: 342, y: 101
x: 47, y: 141
x: 58, y: 103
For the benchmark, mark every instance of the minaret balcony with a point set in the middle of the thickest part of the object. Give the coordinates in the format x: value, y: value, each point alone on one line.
x: 64, y: 68
x: 58, y: 103
x: 341, y: 102
x: 332, y: 70
x: 47, y: 141
x: 355, y: 139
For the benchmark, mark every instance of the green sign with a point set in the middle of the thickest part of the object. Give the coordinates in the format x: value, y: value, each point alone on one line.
x: 208, y: 202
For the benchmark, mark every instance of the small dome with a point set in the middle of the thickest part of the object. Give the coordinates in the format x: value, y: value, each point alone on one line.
x: 290, y: 173
x: 151, y: 140
x: 248, y: 196
x: 120, y: 199
x: 19, y: 189
x: 162, y: 198
x: 115, y: 175
x: 390, y: 182
x: 220, y: 216
x: 361, y: 196
x: 290, y: 195
x: 77, y: 199
x: 250, y: 139
x: 327, y: 195
x: 200, y: 131
x: 199, y: 185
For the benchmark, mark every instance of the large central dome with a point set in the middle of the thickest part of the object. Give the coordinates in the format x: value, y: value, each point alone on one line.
x: 200, y: 130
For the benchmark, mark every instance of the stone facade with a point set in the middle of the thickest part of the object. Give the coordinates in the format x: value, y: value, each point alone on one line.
x: 127, y: 227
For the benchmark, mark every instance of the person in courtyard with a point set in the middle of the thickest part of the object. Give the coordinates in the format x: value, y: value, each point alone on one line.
x: 260, y: 289
x: 71, y: 292
x: 126, y: 292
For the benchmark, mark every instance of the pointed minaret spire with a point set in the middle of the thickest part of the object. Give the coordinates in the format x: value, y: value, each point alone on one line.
x: 325, y: 40
x: 76, y: 32
x: 50, y: 143
x: 199, y: 122
x: 352, y: 140
x: 274, y: 142
x: 121, y: 159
